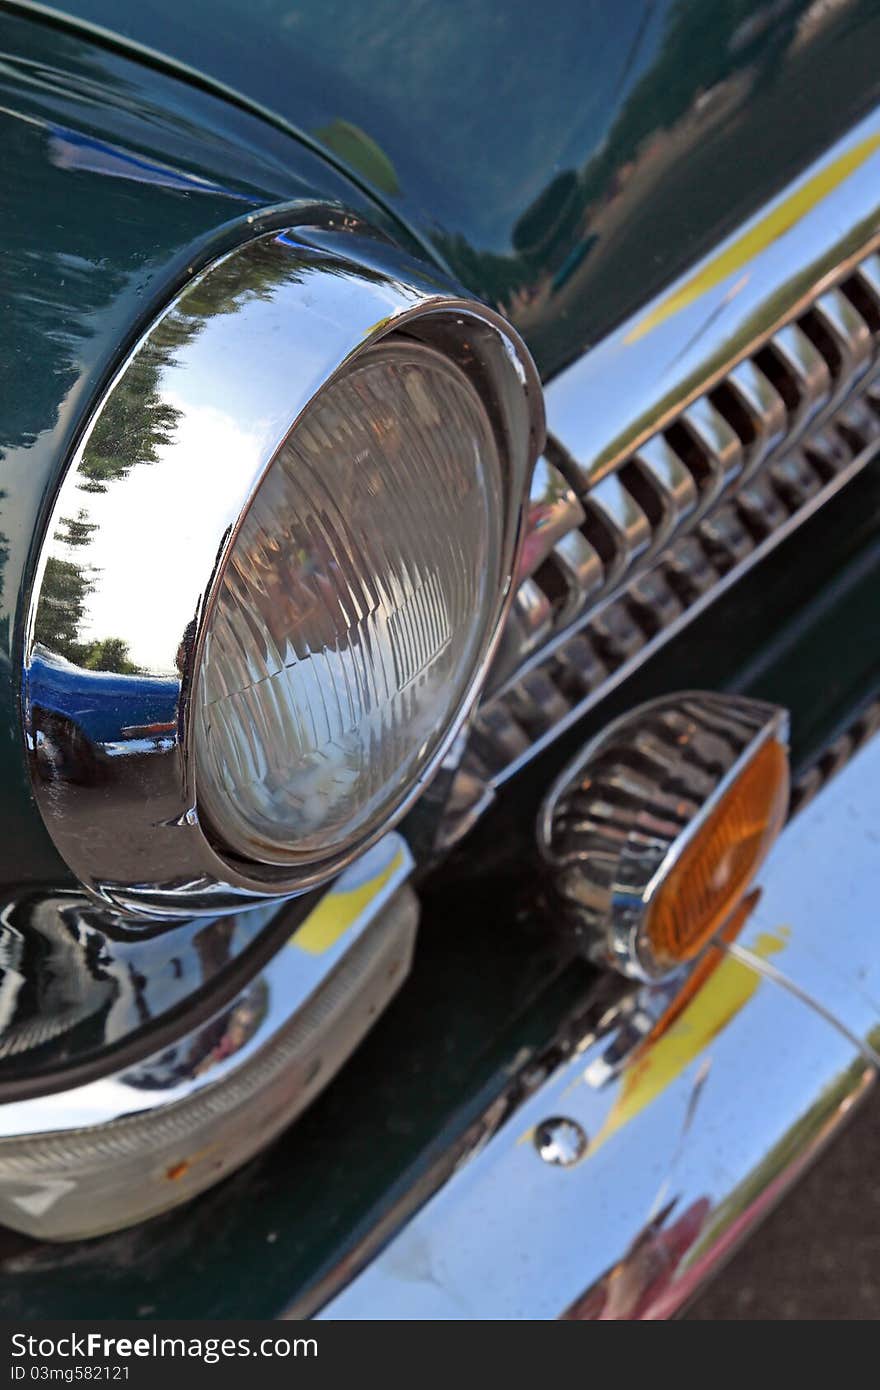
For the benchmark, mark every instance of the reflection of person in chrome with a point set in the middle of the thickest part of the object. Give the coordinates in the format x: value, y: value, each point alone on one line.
x: 210, y: 1045
x: 630, y: 1289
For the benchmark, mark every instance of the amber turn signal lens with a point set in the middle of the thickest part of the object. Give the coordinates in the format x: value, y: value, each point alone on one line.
x: 715, y: 868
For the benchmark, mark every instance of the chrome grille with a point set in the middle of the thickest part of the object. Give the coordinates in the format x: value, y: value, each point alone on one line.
x: 835, y: 757
x: 656, y: 539
x: 743, y: 431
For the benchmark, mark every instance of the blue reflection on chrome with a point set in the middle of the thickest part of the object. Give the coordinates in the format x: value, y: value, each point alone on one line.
x: 107, y: 707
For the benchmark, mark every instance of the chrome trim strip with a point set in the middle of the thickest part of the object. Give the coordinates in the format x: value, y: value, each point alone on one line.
x: 699, y: 1110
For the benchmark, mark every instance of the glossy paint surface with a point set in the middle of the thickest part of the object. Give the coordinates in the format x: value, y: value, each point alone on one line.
x: 115, y: 183
x: 564, y: 159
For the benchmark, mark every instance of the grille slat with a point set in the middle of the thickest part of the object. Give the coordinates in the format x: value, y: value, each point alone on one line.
x: 801, y: 374
x: 717, y: 445
x: 659, y: 471
x: 850, y: 333
x: 617, y: 528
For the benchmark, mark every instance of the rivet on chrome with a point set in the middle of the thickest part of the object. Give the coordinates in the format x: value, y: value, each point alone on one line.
x: 561, y: 1141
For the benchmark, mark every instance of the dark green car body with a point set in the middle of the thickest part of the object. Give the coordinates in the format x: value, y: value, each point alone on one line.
x: 563, y: 162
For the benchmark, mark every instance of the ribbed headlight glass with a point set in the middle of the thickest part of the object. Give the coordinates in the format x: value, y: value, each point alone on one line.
x: 352, y: 610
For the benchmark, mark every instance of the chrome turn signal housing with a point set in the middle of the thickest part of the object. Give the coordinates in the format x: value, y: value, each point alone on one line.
x: 656, y: 830
x: 274, y: 573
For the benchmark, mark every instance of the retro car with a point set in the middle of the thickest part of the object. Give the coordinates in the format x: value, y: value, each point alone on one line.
x: 439, y: 578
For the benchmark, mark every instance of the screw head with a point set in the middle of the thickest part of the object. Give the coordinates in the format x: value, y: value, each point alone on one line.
x: 561, y: 1141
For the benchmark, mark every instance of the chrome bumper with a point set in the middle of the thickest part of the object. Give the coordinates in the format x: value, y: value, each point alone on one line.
x: 698, y: 1112
x: 153, y: 1131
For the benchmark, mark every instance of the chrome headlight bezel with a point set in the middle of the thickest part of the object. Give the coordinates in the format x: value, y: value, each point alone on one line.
x: 249, y: 343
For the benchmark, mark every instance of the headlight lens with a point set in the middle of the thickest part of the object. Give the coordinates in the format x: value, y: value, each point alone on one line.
x: 352, y: 610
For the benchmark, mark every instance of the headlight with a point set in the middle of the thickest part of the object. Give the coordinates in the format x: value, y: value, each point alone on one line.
x: 274, y: 574
x: 352, y: 610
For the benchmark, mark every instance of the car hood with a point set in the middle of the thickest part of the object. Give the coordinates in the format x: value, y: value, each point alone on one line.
x: 563, y: 159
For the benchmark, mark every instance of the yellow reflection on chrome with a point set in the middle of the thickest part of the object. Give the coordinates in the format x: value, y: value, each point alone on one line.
x: 340, y: 909
x: 728, y: 988
x: 741, y: 251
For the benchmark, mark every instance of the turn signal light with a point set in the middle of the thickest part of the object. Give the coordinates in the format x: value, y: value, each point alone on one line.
x: 714, y: 869
x: 655, y: 832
